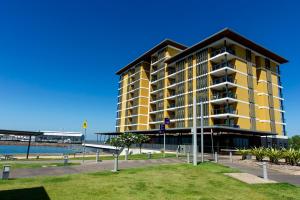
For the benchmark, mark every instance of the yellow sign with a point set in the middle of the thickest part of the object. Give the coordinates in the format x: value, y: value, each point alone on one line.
x: 84, y: 125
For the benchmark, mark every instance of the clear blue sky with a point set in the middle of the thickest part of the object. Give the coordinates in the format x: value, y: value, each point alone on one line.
x: 58, y: 58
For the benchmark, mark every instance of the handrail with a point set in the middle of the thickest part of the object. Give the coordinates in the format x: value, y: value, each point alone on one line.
x: 222, y: 50
x: 223, y: 64
x: 222, y: 80
x: 224, y: 95
x: 224, y: 111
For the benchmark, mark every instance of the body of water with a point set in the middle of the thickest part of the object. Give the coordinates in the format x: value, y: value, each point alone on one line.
x: 15, y: 149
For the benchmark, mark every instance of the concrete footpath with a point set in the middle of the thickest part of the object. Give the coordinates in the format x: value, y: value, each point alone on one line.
x: 89, y: 166
x: 272, y: 174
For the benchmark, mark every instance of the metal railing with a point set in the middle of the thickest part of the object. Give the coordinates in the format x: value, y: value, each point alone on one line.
x: 171, y: 82
x: 172, y: 105
x: 224, y: 95
x: 223, y: 79
x: 228, y: 125
x: 171, y: 71
x: 222, y: 50
x: 223, y: 111
x: 221, y: 65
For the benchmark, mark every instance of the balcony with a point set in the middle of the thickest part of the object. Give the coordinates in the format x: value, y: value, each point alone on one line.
x: 172, y: 84
x: 172, y: 81
x: 223, y: 97
x: 220, y: 83
x: 171, y: 106
x: 153, y: 78
x: 171, y: 71
x: 224, y: 113
x: 223, y: 69
x: 219, y: 54
x: 228, y: 125
x: 153, y: 99
x: 172, y: 93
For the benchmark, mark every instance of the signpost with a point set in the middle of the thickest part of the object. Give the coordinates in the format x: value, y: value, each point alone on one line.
x: 162, y: 129
x: 167, y: 121
x: 84, y: 126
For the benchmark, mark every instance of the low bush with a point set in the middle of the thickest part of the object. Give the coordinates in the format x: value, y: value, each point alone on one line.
x: 291, y: 156
x: 244, y: 153
x: 259, y: 153
x: 274, y: 154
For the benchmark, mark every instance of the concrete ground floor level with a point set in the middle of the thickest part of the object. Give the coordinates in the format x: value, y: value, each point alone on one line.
x: 215, y: 138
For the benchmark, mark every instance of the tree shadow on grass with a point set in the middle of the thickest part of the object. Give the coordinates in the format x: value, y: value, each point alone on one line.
x: 36, y: 193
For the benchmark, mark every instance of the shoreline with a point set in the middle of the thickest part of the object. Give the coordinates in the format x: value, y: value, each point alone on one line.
x: 23, y: 143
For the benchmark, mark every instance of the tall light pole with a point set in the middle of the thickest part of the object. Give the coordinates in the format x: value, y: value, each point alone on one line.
x: 194, y: 131
x: 84, y: 126
x: 202, y: 140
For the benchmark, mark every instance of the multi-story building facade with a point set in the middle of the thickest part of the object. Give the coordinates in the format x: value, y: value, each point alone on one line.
x: 237, y: 80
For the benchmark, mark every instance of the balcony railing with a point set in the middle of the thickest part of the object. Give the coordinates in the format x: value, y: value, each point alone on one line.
x: 222, y: 50
x: 153, y: 98
x: 224, y: 95
x: 172, y: 105
x: 224, y: 111
x: 172, y: 93
x: 221, y: 65
x: 223, y: 79
x: 172, y: 81
x: 153, y: 78
x: 228, y: 125
x: 171, y: 71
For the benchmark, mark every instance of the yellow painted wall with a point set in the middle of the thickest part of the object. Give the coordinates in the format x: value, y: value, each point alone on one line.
x: 243, y: 109
x: 240, y: 66
x: 243, y: 123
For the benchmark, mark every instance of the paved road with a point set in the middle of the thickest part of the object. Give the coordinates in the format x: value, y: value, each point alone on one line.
x: 89, y: 167
x: 272, y: 174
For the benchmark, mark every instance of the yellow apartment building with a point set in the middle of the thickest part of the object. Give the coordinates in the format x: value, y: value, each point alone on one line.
x: 237, y: 80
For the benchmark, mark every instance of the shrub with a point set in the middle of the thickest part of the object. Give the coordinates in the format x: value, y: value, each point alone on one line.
x: 274, y: 155
x: 259, y: 153
x: 244, y: 153
x: 291, y: 156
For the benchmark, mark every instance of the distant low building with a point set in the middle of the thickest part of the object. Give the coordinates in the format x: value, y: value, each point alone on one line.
x: 60, y: 137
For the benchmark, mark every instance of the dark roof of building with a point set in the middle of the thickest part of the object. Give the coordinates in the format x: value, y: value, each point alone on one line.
x: 147, y: 56
x: 233, y: 36
x: 20, y: 133
x: 215, y: 129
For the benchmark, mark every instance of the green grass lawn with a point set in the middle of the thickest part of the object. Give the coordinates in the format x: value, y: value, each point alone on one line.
x: 106, y: 157
x: 130, y: 157
x: 178, y: 181
x: 15, y: 165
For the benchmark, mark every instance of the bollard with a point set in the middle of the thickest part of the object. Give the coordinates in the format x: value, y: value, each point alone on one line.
x: 115, y: 163
x: 177, y: 154
x: 265, y: 173
x: 216, y: 157
x: 126, y: 154
x: 66, y: 159
x: 6, y: 171
x: 149, y: 155
x: 188, y: 157
x: 230, y: 156
x: 97, y: 156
